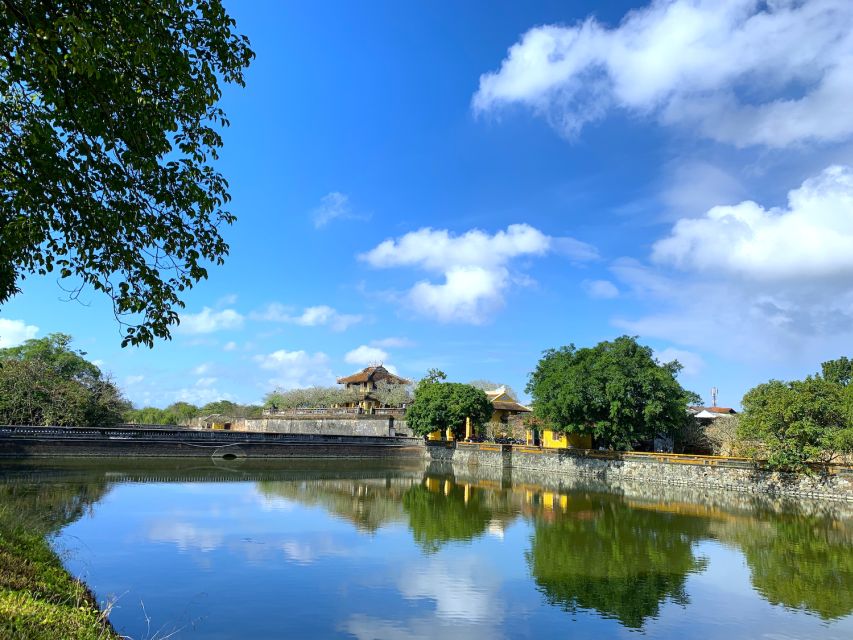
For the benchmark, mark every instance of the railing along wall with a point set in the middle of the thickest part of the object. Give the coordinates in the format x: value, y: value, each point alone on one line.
x: 184, y: 435
x: 335, y: 411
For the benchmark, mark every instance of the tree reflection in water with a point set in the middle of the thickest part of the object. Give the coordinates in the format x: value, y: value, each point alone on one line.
x: 601, y: 554
x: 441, y: 511
x: 799, y: 562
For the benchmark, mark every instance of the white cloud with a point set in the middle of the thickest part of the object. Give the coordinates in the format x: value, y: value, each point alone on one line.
x: 602, y: 289
x: 475, y: 267
x: 752, y: 283
x: 227, y: 300
x: 692, y: 363
x: 230, y: 346
x: 209, y: 321
x: 691, y: 188
x: 365, y: 355
x: 320, y: 315
x: 812, y: 239
x: 132, y: 380
x: 741, y: 72
x: 333, y: 206
x: 201, y: 369
x: 202, y: 392
x: 15, y: 332
x: 294, y: 369
x: 392, y: 343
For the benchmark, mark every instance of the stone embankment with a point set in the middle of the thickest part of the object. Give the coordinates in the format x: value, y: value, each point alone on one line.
x: 16, y: 441
x: 612, y: 468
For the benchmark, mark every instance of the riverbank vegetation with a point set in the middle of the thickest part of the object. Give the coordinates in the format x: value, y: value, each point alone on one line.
x: 39, y: 599
x: 184, y: 413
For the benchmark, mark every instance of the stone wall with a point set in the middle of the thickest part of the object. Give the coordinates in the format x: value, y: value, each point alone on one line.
x: 330, y: 426
x: 670, y: 470
x: 22, y: 442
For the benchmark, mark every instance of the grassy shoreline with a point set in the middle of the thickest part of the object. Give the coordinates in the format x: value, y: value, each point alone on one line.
x: 39, y: 599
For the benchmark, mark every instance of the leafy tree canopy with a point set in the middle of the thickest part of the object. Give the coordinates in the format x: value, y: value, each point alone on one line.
x: 615, y: 391
x: 46, y: 382
x: 108, y: 130
x: 839, y: 371
x: 446, y: 405
x: 798, y: 422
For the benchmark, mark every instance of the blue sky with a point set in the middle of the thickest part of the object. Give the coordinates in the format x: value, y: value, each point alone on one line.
x: 463, y: 185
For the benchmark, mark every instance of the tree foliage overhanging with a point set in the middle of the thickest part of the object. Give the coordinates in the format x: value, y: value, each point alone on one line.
x: 615, y: 391
x: 802, y: 421
x: 108, y: 131
x: 46, y: 382
x: 446, y: 405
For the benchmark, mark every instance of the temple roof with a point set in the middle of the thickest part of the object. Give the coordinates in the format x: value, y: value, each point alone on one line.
x: 374, y: 373
x: 509, y: 405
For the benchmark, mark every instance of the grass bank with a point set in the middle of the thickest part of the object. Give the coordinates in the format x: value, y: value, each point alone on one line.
x: 39, y: 600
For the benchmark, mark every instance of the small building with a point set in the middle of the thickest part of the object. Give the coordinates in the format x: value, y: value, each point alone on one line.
x: 711, y: 413
x: 364, y: 385
x: 504, y: 406
x: 556, y: 440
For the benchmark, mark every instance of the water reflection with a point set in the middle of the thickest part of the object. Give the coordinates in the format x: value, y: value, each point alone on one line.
x: 404, y: 552
x: 598, y: 553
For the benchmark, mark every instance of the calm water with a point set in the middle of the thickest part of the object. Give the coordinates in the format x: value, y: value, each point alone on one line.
x: 398, y: 553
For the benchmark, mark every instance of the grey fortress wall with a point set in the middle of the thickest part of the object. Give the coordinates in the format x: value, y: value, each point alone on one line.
x: 330, y: 426
x: 688, y: 471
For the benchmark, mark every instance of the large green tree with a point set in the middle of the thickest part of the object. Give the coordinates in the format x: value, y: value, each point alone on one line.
x: 797, y: 422
x: 109, y: 127
x: 615, y: 391
x: 446, y: 405
x: 46, y: 382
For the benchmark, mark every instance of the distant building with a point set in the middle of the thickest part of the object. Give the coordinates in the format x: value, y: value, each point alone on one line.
x: 710, y: 413
x: 364, y: 384
x: 504, y: 406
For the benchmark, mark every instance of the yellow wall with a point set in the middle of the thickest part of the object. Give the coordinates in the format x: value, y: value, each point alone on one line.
x: 434, y: 435
x: 553, y: 440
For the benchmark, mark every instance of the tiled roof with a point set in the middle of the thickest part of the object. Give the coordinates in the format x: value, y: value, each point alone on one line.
x: 723, y: 410
x: 506, y: 405
x: 376, y: 373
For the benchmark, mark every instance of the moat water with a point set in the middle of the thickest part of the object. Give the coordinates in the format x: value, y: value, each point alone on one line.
x: 190, y: 549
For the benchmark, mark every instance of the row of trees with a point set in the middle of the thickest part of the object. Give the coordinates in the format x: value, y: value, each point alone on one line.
x: 184, y: 412
x: 393, y: 395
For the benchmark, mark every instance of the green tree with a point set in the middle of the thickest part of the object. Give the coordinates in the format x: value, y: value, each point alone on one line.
x: 446, y: 405
x: 615, y: 391
x: 839, y: 371
x: 797, y: 422
x: 45, y: 382
x: 108, y: 131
